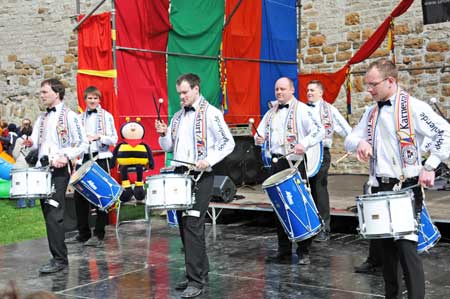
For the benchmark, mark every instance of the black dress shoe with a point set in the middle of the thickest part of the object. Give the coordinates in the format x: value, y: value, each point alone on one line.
x: 191, y: 292
x: 322, y: 236
x: 366, y: 268
x: 181, y: 285
x: 75, y: 240
x: 279, y: 258
x: 52, y: 267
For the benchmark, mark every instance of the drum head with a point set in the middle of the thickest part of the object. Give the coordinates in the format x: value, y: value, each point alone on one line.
x: 314, y: 157
x: 81, y: 171
x: 279, y: 177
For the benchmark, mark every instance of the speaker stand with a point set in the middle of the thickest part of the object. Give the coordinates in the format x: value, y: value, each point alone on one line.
x: 244, y: 185
x: 247, y: 186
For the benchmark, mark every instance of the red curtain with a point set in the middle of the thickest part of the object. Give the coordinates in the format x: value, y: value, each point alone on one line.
x: 94, y: 54
x: 242, y: 38
x: 142, y: 24
x: 331, y: 81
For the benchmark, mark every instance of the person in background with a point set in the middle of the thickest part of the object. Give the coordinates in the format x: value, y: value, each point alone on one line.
x: 198, y: 135
x: 19, y: 153
x: 26, y: 128
x: 390, y: 136
x: 332, y: 122
x: 101, y: 134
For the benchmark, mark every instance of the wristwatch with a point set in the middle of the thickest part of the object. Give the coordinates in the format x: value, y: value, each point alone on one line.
x: 427, y: 167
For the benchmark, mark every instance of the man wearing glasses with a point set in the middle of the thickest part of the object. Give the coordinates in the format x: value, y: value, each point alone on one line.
x: 389, y: 137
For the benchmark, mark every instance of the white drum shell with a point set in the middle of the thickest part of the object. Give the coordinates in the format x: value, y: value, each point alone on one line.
x: 169, y: 191
x: 386, y: 215
x: 31, y: 183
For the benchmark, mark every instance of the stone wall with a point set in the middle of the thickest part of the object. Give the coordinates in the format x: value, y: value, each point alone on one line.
x: 333, y: 30
x: 37, y: 42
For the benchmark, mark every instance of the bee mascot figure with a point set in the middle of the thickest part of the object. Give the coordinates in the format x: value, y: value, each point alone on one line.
x: 132, y: 153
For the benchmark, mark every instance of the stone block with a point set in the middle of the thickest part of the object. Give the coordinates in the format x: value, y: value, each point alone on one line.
x: 343, y: 56
x: 316, y: 41
x: 353, y: 36
x: 344, y: 46
x: 328, y: 49
x: 401, y: 29
x: 415, y: 43
x: 434, y: 57
x: 352, y: 19
x: 314, y: 59
x: 12, y: 57
x: 438, y: 46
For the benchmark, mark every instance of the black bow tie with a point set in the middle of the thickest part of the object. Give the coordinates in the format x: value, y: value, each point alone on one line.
x: 51, y: 109
x: 310, y: 104
x: 381, y: 104
x: 188, y: 108
x: 281, y: 106
x: 89, y: 112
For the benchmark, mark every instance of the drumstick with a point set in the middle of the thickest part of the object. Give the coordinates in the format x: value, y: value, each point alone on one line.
x: 275, y: 160
x: 156, y: 107
x: 252, y: 121
x: 184, y: 162
x: 334, y: 164
x: 159, y: 109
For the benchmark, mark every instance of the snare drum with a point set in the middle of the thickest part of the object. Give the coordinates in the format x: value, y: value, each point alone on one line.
x: 428, y: 233
x: 169, y: 191
x: 386, y: 214
x: 5, y: 169
x: 293, y: 204
x: 32, y: 183
x: 96, y: 185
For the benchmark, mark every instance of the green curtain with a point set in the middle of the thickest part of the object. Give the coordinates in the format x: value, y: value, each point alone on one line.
x: 197, y: 29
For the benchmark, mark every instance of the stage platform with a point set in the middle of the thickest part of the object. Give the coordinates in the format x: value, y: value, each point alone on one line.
x: 138, y: 262
x: 343, y: 190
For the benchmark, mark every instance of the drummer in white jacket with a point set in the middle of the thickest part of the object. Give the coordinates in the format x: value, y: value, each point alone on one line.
x: 288, y: 127
x: 389, y: 136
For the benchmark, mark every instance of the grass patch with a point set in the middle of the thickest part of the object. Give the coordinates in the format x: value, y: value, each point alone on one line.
x: 18, y: 225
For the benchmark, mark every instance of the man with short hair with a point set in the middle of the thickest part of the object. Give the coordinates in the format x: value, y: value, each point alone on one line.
x: 389, y: 136
x: 332, y: 122
x: 101, y: 134
x: 59, y: 137
x: 197, y: 135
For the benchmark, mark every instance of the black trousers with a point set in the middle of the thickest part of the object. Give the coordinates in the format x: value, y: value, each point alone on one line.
x: 404, y: 253
x: 54, y: 216
x: 192, y: 231
x: 83, y: 208
x: 319, y: 189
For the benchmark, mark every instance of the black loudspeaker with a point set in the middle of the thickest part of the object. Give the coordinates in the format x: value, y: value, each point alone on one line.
x: 224, y: 189
x: 244, y: 165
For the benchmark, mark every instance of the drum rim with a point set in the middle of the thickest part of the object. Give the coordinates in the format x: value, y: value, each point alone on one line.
x: 267, y: 183
x: 31, y: 169
x: 383, y: 195
x: 79, y: 174
x: 170, y: 207
x: 168, y: 175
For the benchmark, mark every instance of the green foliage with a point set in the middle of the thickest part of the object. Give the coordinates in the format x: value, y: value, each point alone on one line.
x: 18, y: 225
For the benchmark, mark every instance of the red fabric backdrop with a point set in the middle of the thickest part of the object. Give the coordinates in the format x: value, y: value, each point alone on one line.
x: 242, y: 38
x: 141, y: 76
x: 94, y: 53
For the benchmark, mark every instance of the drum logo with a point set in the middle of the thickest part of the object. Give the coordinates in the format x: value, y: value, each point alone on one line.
x: 289, y: 198
x: 92, y: 184
x: 409, y: 154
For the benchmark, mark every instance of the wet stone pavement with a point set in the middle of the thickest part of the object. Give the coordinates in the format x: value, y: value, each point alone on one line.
x: 137, y: 262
